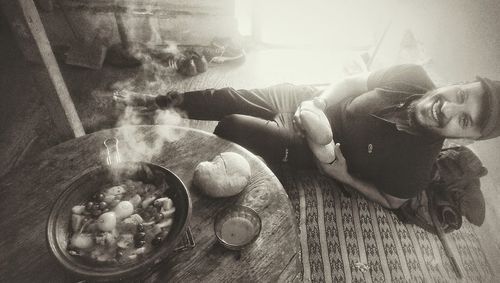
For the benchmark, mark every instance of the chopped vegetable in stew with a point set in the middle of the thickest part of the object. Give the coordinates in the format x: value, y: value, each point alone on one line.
x: 121, y: 223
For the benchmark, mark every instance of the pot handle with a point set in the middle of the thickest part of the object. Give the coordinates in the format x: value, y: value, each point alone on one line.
x: 113, y: 154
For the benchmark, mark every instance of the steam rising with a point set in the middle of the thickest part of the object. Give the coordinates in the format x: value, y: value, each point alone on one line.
x: 153, y: 79
x: 146, y: 146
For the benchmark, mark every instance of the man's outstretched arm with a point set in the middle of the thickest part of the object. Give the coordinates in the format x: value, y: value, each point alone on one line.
x: 333, y: 94
x: 372, y: 193
x: 311, y: 122
x: 348, y: 86
x: 338, y: 170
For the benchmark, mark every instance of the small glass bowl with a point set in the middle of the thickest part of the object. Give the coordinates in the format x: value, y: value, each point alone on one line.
x: 237, y: 227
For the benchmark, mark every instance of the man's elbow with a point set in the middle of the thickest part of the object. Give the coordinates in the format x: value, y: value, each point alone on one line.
x: 393, y: 202
x: 357, y: 83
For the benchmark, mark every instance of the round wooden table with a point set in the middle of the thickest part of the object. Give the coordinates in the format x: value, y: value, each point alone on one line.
x: 29, y: 192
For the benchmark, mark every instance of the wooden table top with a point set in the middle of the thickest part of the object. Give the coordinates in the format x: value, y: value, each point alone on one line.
x: 29, y: 192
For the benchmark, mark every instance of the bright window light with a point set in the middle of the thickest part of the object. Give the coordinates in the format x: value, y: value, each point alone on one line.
x: 347, y: 24
x: 244, y: 11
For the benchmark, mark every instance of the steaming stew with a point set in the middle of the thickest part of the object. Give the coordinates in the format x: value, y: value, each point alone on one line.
x: 121, y: 223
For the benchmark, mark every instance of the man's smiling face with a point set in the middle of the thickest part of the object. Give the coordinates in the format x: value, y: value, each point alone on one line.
x: 452, y: 111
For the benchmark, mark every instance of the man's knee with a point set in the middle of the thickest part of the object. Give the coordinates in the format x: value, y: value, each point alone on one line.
x: 230, y: 127
x: 244, y: 129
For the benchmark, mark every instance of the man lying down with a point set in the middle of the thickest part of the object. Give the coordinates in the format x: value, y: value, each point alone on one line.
x: 379, y: 133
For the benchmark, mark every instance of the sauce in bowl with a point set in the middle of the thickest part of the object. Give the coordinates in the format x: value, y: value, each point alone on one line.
x: 237, y: 231
x: 237, y: 226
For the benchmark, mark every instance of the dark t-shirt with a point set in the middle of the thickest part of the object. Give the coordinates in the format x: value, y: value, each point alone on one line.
x: 396, y: 162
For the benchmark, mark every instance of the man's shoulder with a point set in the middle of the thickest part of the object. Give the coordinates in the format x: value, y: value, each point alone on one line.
x: 414, y: 76
x: 406, y: 77
x: 389, y: 87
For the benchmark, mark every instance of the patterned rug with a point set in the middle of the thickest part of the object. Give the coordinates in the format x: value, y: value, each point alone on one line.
x: 345, y: 238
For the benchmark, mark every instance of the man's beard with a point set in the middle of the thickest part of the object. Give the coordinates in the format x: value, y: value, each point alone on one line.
x: 414, y: 123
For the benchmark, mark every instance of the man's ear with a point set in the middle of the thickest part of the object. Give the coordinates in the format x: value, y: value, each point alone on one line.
x: 457, y: 142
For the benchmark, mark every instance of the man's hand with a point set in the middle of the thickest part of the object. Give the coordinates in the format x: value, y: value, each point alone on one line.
x: 337, y: 169
x: 297, y: 121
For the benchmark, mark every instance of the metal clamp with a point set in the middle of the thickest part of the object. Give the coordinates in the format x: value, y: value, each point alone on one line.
x: 113, y: 154
x: 187, y: 241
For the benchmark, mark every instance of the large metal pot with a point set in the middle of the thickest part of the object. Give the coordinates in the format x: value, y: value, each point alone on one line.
x: 96, y: 179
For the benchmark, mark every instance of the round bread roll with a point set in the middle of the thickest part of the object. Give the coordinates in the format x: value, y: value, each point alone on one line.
x: 226, y: 175
x: 316, y: 125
